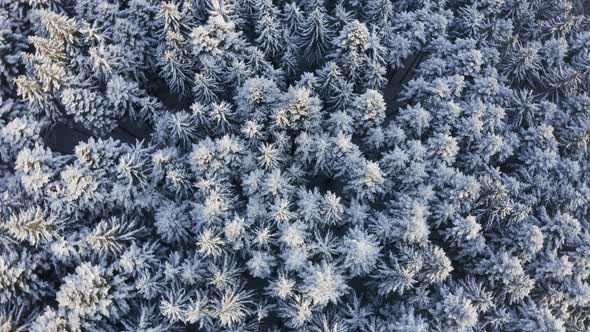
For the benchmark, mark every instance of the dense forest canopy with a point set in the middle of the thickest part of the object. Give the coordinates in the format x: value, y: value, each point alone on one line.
x: 275, y: 165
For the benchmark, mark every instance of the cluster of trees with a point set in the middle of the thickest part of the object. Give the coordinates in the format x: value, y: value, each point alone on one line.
x: 315, y: 165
